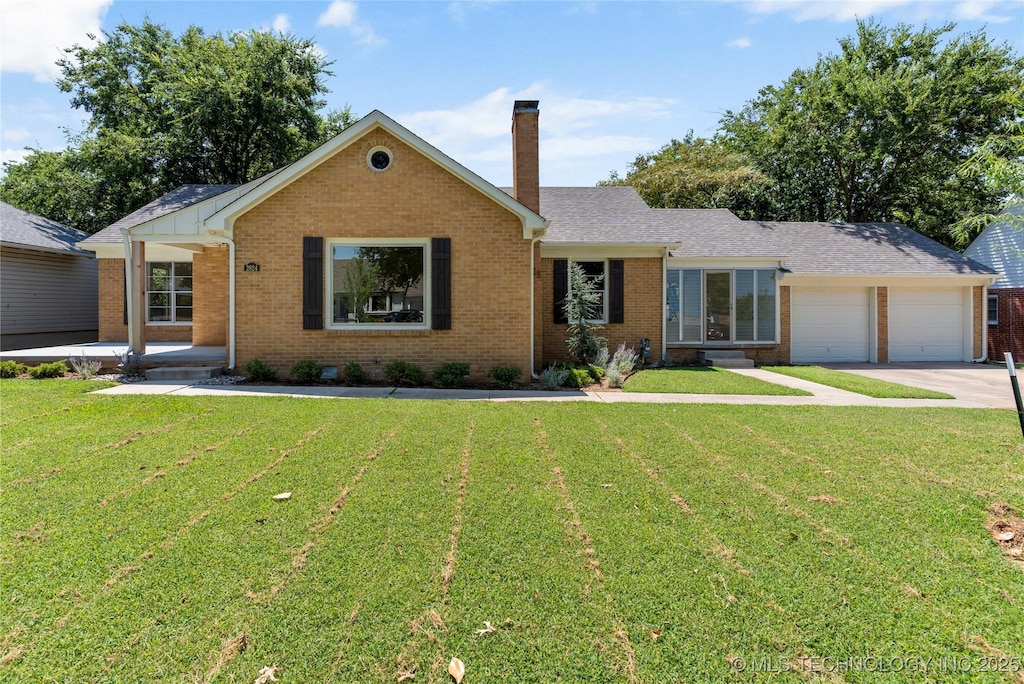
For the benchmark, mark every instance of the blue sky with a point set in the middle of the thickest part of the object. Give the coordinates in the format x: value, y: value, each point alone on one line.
x: 614, y: 79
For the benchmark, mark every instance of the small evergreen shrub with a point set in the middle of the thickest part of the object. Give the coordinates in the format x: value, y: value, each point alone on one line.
x: 130, y: 365
x: 577, y: 378
x: 402, y: 373
x: 353, y: 373
x: 451, y: 375
x: 11, y: 369
x: 258, y: 371
x: 307, y: 371
x: 554, y: 376
x: 505, y: 377
x: 596, y: 372
x: 57, y: 369
x: 84, y: 366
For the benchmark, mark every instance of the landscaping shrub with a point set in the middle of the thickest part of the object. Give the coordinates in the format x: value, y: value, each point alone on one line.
x: 258, y: 371
x: 57, y: 369
x: 581, y: 306
x: 129, y: 365
x: 307, y: 370
x: 505, y: 377
x: 577, y: 378
x: 354, y: 373
x: 596, y: 372
x: 554, y: 376
x: 84, y: 366
x: 404, y: 373
x: 621, y: 365
x: 451, y: 375
x: 11, y: 369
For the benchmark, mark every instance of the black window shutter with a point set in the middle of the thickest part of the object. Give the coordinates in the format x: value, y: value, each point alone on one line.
x: 441, y: 283
x: 616, y: 291
x: 312, y: 283
x: 561, y: 290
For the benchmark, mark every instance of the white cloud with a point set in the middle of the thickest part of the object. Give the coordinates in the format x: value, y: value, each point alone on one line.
x: 573, y: 130
x: 281, y: 23
x: 16, y: 134
x: 14, y: 156
x: 343, y: 14
x: 34, y: 33
x: 921, y: 10
x: 739, y: 43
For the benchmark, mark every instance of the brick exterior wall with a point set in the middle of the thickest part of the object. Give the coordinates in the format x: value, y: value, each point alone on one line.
x: 1008, y: 334
x: 882, y: 306
x: 414, y: 198
x: 111, y: 297
x: 643, y: 309
x: 210, y: 297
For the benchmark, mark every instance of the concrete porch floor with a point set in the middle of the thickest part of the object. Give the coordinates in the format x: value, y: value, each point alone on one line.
x: 157, y: 353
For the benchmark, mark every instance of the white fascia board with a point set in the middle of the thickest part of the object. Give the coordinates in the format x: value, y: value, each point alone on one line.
x: 591, y: 250
x: 155, y: 251
x: 224, y: 219
x: 889, y: 280
x: 48, y: 250
x: 186, y: 224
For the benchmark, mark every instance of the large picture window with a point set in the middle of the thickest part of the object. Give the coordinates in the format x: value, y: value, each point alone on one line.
x: 720, y: 306
x: 377, y: 284
x: 169, y: 292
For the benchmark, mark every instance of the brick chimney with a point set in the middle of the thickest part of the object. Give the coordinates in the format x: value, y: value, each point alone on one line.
x: 525, y: 155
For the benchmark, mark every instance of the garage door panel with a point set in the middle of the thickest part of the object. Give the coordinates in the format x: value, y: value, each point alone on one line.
x: 926, y: 324
x: 829, y: 324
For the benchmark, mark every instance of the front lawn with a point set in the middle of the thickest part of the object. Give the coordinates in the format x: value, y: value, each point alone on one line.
x: 703, y: 380
x: 535, y: 541
x: 851, y: 382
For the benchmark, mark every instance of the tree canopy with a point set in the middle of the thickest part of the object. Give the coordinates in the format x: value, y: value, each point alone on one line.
x: 166, y: 110
x: 696, y: 173
x: 881, y: 131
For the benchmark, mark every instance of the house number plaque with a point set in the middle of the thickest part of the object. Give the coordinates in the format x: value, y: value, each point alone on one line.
x: 251, y: 267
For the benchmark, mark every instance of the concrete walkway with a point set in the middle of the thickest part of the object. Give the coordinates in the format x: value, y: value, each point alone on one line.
x: 821, y: 394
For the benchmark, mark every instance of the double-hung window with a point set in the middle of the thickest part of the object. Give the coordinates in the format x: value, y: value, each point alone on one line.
x: 597, y: 280
x: 169, y: 292
x: 377, y: 284
x: 720, y: 306
x: 993, y: 309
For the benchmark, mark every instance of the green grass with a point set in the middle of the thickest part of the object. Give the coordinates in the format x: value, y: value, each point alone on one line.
x: 703, y: 380
x: 139, y: 540
x: 851, y: 382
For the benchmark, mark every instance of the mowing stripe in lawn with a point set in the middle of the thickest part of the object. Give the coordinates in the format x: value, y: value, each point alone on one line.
x: 209, y: 478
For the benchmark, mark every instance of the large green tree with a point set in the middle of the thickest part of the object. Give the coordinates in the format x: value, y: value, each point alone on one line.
x: 881, y: 131
x: 165, y: 110
x: 696, y: 173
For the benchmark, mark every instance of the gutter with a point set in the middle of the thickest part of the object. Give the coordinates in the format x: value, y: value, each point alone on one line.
x: 984, y: 326
x: 231, y: 303
x: 533, y: 307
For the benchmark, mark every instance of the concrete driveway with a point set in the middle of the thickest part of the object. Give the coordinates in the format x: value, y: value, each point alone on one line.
x: 979, y: 383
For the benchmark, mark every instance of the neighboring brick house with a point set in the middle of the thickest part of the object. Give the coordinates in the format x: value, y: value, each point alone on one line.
x: 460, y: 270
x: 47, y: 283
x: 1001, y: 246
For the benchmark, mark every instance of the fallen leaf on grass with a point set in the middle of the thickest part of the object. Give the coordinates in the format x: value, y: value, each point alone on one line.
x: 283, y: 496
x: 488, y: 628
x: 457, y: 670
x: 266, y: 675
x: 655, y: 634
x: 403, y: 675
x: 1005, y: 536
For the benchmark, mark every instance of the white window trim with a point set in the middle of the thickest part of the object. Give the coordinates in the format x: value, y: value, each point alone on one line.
x: 992, y: 312
x: 171, y: 301
x: 603, y: 320
x: 732, y: 341
x: 329, y: 245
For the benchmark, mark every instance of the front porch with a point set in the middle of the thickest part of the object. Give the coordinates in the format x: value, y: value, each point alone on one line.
x: 158, y: 354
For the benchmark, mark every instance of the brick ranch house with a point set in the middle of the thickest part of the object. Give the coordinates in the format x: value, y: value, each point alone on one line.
x: 1001, y: 246
x: 466, y: 271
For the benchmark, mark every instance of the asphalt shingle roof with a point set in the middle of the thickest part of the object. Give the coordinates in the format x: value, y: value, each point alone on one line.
x: 179, y: 198
x: 22, y: 229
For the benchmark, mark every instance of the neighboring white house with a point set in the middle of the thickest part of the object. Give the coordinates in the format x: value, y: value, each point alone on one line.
x: 1001, y: 246
x: 48, y: 285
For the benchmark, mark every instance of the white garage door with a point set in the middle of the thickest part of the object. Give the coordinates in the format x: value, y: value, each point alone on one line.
x: 926, y: 324
x: 829, y: 324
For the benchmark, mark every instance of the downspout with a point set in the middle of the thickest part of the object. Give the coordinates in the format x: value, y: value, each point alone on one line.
x: 984, y: 325
x: 664, y: 308
x: 129, y: 290
x: 231, y: 303
x: 533, y: 308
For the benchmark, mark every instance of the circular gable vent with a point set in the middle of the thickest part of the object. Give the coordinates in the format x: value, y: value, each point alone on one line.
x: 379, y: 158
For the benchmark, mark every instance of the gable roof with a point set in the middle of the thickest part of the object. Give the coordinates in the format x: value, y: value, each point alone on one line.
x: 612, y: 215
x: 19, y: 228
x: 179, y: 198
x: 1001, y: 246
x: 223, y: 220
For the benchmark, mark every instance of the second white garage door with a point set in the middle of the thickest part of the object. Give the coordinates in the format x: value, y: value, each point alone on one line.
x: 926, y: 324
x: 829, y: 324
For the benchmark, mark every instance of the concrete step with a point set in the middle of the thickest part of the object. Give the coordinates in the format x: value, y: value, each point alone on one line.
x: 187, y: 373
x: 731, y: 363
x: 708, y: 354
